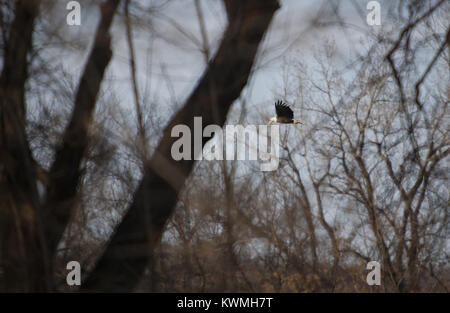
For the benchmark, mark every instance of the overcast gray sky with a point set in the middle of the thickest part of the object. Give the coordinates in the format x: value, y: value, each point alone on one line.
x: 169, y: 60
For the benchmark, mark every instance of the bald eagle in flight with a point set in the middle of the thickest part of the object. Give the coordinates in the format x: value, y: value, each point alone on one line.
x: 284, y: 114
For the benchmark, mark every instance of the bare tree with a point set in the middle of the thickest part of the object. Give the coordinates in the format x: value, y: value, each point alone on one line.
x: 38, y: 227
x: 86, y: 172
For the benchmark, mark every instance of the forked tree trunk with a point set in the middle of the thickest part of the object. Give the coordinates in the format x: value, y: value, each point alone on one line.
x: 29, y: 230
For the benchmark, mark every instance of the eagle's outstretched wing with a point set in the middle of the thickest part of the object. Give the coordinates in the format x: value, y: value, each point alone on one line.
x: 283, y: 110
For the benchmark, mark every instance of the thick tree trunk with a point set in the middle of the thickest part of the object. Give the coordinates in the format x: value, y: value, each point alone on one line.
x: 28, y: 244
x: 131, y: 247
x: 22, y: 249
x: 65, y: 173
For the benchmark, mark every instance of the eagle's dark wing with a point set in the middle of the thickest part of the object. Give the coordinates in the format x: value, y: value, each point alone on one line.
x: 283, y: 110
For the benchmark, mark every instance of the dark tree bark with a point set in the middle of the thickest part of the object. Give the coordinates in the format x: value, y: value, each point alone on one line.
x: 22, y: 249
x: 65, y: 173
x: 30, y: 231
x: 131, y: 247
